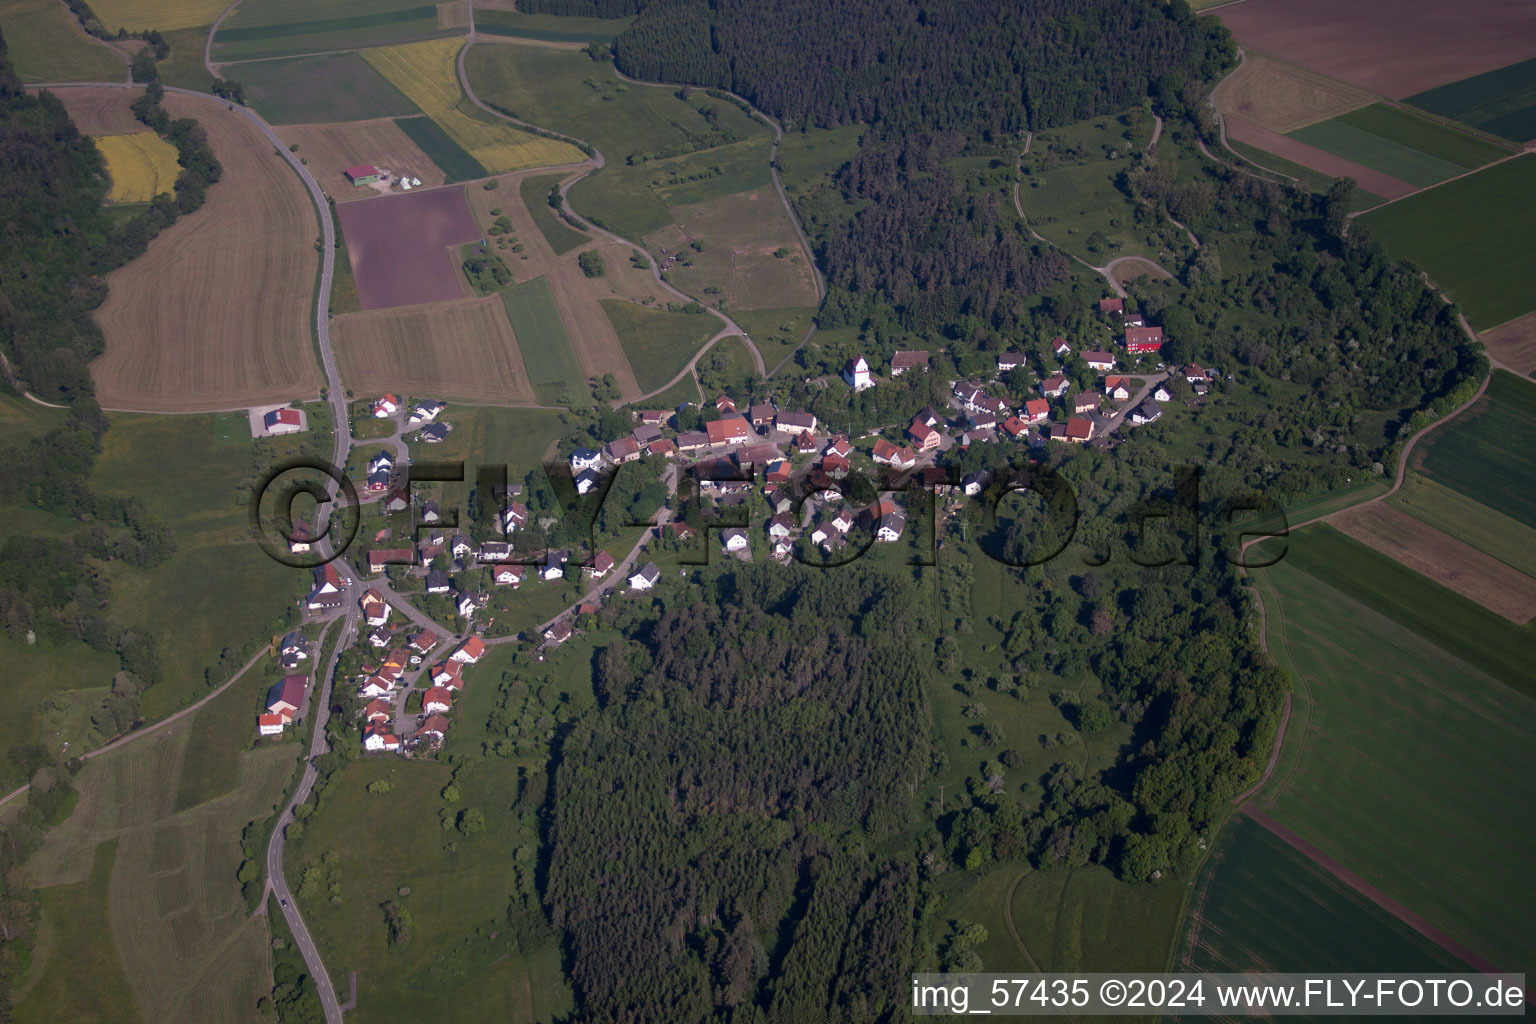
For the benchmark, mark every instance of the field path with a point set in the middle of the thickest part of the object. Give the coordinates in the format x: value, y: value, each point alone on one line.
x: 596, y: 163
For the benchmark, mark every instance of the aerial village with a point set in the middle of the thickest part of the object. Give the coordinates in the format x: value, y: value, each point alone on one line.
x: 741, y: 453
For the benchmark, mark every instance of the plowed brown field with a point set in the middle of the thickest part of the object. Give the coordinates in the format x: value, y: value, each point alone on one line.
x: 100, y: 111
x: 1514, y: 344
x: 462, y: 350
x: 1375, y: 182
x: 216, y: 315
x: 329, y: 149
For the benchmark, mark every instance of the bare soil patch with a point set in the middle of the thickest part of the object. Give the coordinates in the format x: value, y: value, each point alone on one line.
x: 100, y: 111
x: 463, y: 350
x: 1444, y: 559
x: 1283, y: 97
x: 1375, y: 182
x: 1132, y: 267
x: 1392, y: 47
x: 593, y: 338
x: 1514, y: 344
x: 404, y: 248
x: 329, y: 149
x: 216, y: 315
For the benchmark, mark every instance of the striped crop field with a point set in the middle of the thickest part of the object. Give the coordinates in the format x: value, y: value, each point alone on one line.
x: 141, y: 165
x: 426, y: 73
x: 161, y: 15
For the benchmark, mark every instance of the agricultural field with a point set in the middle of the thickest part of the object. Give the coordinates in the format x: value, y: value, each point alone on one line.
x: 1484, y: 453
x: 1473, y: 236
x: 44, y: 43
x: 320, y: 89
x: 492, y: 435
x: 185, y: 67
x: 1431, y: 43
x: 404, y: 247
x: 462, y: 350
x: 1468, y: 520
x: 329, y: 149
x: 1377, y: 152
x: 100, y: 111
x: 442, y: 880
x: 553, y: 368
x: 165, y: 934
x: 547, y: 28
x: 562, y: 238
x: 161, y: 15
x: 286, y: 28
x: 1317, y: 181
x: 1425, y: 135
x: 447, y: 154
x: 217, y: 313
x: 1444, y: 559
x: 1513, y: 344
x: 197, y: 474
x: 659, y: 343
x: 1283, y: 97
x: 1374, y: 693
x: 747, y: 251
x: 1261, y: 905
x: 426, y: 73
x: 594, y: 340
x: 1320, y: 161
x: 775, y: 332
x: 141, y: 165
x: 1501, y: 102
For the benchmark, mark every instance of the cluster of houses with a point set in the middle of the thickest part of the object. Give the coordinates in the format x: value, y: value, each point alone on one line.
x: 285, y: 698
x: 423, y: 415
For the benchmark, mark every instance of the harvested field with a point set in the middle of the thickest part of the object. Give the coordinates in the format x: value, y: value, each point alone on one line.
x: 329, y: 149
x: 1442, y: 558
x: 460, y: 350
x: 624, y: 279
x: 1468, y: 520
x: 161, y: 15
x: 1383, y: 185
x: 740, y: 236
x: 1514, y: 343
x: 101, y: 111
x: 453, y: 14
x: 593, y: 338
x: 216, y: 314
x: 321, y: 89
x: 1392, y: 47
x: 140, y: 164
x: 427, y: 73
x: 401, y: 246
x: 1283, y: 97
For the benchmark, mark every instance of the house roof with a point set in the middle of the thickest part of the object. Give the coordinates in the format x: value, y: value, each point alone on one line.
x: 361, y: 170
x: 647, y: 572
x: 288, y: 417
x: 1098, y: 357
x: 437, y: 695
x: 728, y: 428
x: 1113, y: 304
x: 1052, y: 383
x: 623, y: 448
x: 799, y: 418
x: 602, y: 561
x: 473, y: 646
x: 1037, y: 407
x: 905, y: 360
x: 693, y: 439
x: 1143, y: 335
x: 1079, y: 429
x: 288, y: 690
x: 435, y: 723
x: 920, y: 431
x: 663, y: 446
x: 378, y: 706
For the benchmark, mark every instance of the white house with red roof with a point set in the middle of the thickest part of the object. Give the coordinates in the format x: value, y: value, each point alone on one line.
x: 448, y: 673
x: 730, y: 430
x: 377, y: 737
x: 378, y: 710
x: 1143, y: 339
x: 283, y: 421
x: 439, y: 698
x: 897, y: 456
x: 470, y: 651
x: 375, y: 608
x: 271, y: 725
x: 508, y: 576
x: 856, y: 373
x: 433, y: 729
x: 1036, y: 410
x: 926, y: 438
x: 386, y: 406
x: 1117, y: 388
x: 1053, y: 387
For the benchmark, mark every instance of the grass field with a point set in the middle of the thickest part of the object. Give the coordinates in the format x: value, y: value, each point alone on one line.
x: 1345, y: 139
x: 184, y: 67
x: 599, y: 349
x: 321, y: 89
x: 285, y: 28
x: 217, y: 313
x: 451, y: 958
x: 1501, y: 102
x: 1470, y: 235
x: 165, y: 909
x: 548, y: 28
x: 162, y: 15
x: 426, y: 72
x: 1262, y: 906
x: 1468, y: 520
x: 658, y: 343
x: 1466, y: 630
x: 428, y: 135
x: 1283, y: 97
x: 1394, y: 735
x: 44, y: 43
x: 462, y: 349
x: 552, y: 365
x: 488, y: 435
x: 141, y: 165
x: 187, y: 477
x: 775, y: 332
x: 1484, y: 453
x: 1425, y: 135
x: 749, y: 253
x: 562, y: 238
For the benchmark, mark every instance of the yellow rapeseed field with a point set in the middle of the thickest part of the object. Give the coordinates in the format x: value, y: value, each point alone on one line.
x: 142, y: 165
x: 427, y: 72
x: 162, y: 15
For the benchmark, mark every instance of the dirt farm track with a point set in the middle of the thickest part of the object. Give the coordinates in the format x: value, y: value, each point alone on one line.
x: 1392, y: 47
x: 216, y: 314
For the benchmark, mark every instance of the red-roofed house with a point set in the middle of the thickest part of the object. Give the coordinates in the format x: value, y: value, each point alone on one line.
x: 1053, y: 386
x: 363, y: 174
x: 283, y: 421
x: 378, y: 737
x: 887, y: 454
x: 1117, y: 388
x: 433, y: 729
x: 448, y: 673
x: 285, y: 697
x: 378, y: 710
x: 625, y: 449
x: 386, y: 406
x: 598, y: 565
x: 1195, y: 374
x: 1037, y: 410
x: 1077, y: 430
x: 439, y: 698
x: 1114, y: 304
x: 271, y: 725
x: 470, y: 651
x: 839, y: 446
x: 1060, y: 346
x: 375, y: 608
x: 1014, y: 427
x: 508, y: 576
x: 926, y: 437
x: 1143, y: 339
x: 901, y: 362
x: 730, y: 430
